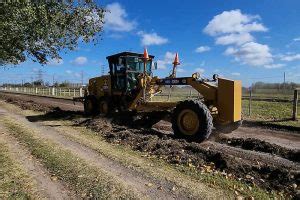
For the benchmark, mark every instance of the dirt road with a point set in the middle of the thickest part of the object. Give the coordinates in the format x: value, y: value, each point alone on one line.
x: 255, y: 156
x: 286, y: 139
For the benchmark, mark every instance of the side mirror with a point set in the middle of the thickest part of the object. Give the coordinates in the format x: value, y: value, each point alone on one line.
x: 120, y: 61
x: 215, y: 77
x: 154, y: 66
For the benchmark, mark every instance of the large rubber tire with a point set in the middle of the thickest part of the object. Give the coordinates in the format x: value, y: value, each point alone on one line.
x: 192, y: 120
x: 105, y: 106
x: 89, y: 105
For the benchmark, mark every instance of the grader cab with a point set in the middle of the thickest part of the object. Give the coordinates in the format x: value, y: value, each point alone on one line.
x: 131, y: 86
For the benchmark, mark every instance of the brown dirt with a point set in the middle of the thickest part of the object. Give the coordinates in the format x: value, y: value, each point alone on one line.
x: 127, y: 176
x: 269, y: 158
x: 262, y: 146
x: 39, y: 103
x: 265, y: 170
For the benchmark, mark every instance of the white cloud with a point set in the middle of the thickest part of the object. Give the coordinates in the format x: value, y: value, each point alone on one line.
x: 234, y: 38
x: 35, y: 69
x: 167, y: 60
x: 180, y: 70
x: 233, y: 22
x: 69, y: 72
x: 116, y: 19
x: 290, y: 57
x: 251, y: 53
x: 200, y: 70
x: 148, y: 39
x: 55, y: 62
x: 81, y: 60
x: 202, y: 49
x: 235, y: 73
x: 274, y: 66
x: 296, y: 39
x: 77, y: 74
x: 234, y: 28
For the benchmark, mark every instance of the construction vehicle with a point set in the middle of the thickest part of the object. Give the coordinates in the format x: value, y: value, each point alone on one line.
x: 131, y: 86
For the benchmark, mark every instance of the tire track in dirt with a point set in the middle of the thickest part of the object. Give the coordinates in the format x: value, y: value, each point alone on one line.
x: 47, y: 188
x: 278, y: 173
x: 258, y: 168
x: 261, y: 146
x: 127, y: 176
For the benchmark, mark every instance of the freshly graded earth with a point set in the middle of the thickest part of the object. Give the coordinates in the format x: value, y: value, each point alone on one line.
x: 150, y: 162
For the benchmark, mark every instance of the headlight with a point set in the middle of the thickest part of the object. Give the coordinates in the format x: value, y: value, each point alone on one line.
x: 196, y: 75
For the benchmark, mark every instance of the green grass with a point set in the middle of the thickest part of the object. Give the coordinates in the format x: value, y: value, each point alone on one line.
x: 14, y: 182
x: 86, y: 180
x: 279, y: 113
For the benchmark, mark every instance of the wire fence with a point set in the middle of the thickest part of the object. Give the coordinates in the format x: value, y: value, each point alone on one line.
x: 270, y: 105
x: 68, y: 93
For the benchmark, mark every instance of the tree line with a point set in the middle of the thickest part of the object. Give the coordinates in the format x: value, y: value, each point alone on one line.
x: 278, y: 86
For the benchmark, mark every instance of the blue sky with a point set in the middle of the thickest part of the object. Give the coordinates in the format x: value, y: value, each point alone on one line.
x: 251, y: 41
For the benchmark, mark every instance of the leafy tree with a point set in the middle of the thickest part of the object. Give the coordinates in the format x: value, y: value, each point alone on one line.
x: 38, y: 83
x: 27, y: 84
x: 39, y: 30
x: 64, y: 84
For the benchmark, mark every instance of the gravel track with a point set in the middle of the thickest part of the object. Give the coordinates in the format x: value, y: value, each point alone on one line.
x: 268, y: 158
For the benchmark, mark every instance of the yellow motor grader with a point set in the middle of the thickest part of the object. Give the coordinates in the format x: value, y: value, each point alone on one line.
x: 131, y: 86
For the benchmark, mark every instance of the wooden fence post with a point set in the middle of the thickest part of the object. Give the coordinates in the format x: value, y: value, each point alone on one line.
x: 80, y: 92
x: 295, y: 104
x: 250, y: 101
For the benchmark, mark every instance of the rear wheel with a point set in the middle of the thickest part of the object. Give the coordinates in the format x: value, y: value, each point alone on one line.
x: 192, y: 120
x: 104, y: 106
x: 90, y: 105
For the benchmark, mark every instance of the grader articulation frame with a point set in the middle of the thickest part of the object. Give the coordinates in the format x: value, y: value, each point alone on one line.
x: 131, y: 86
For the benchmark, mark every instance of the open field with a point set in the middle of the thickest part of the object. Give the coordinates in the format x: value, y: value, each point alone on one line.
x: 250, y: 162
x: 271, y: 113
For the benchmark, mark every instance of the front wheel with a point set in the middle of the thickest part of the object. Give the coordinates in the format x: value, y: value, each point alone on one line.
x: 105, y: 106
x: 191, y: 119
x: 89, y: 105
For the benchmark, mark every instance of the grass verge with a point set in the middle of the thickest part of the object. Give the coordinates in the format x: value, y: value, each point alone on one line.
x: 271, y: 113
x: 87, y: 181
x: 14, y: 181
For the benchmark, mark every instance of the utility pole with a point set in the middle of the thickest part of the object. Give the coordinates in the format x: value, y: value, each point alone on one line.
x: 283, y: 81
x: 102, y: 70
x: 53, y: 79
x: 81, y: 78
x: 39, y: 76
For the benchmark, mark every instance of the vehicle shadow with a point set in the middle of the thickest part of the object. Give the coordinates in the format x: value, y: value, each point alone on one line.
x: 270, y: 124
x: 120, y: 122
x: 56, y: 114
